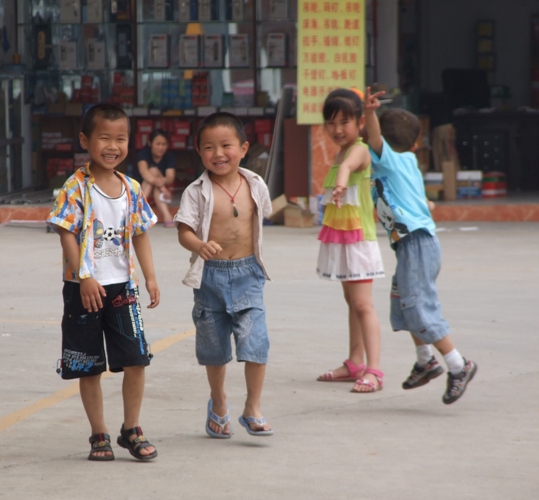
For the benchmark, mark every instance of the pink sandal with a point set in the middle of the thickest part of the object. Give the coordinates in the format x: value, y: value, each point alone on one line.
x: 372, y: 388
x: 354, y: 372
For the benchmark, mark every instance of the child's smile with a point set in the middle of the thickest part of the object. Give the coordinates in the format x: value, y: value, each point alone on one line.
x: 343, y: 131
x: 107, y: 144
x: 221, y: 150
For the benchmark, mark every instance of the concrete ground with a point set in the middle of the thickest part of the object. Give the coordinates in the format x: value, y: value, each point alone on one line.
x: 328, y: 442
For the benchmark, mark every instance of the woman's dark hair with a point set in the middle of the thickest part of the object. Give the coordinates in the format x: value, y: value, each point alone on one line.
x: 107, y: 112
x: 225, y: 120
x: 156, y: 133
x: 344, y: 100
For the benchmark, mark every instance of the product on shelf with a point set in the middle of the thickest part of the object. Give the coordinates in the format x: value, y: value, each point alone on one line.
x: 234, y: 10
x: 208, y: 10
x: 158, y: 51
x: 189, y: 56
x: 201, y: 89
x: 123, y: 92
x: 59, y: 167
x: 55, y: 141
x: 212, y: 51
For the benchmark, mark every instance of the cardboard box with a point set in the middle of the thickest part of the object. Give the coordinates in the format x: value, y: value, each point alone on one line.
x: 295, y: 216
x: 443, y: 146
x: 278, y: 206
x: 449, y: 180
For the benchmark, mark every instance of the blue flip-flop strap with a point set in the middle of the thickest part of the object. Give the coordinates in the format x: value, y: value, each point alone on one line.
x: 254, y: 420
x: 220, y: 421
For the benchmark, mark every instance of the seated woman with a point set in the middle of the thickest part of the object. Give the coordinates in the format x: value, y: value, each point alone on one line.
x: 157, y: 170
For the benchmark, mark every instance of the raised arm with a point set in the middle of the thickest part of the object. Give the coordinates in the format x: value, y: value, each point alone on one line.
x: 372, y: 124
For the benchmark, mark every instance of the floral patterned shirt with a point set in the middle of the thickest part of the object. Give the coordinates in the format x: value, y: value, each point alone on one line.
x: 73, y: 210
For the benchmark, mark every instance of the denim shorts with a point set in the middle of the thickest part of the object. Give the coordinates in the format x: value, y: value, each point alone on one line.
x: 414, y: 299
x: 230, y: 301
x: 84, y: 334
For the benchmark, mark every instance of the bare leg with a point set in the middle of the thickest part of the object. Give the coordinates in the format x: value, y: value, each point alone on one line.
x: 133, y: 391
x: 356, y: 350
x: 147, y: 189
x: 360, y: 300
x: 254, y: 379
x: 92, y: 400
x: 216, y: 379
x: 417, y: 342
x: 161, y: 206
x: 444, y: 345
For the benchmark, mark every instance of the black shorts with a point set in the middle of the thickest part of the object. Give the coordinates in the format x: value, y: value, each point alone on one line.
x: 83, y: 346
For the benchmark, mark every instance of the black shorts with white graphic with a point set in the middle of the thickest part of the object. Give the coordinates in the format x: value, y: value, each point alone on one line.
x: 118, y: 324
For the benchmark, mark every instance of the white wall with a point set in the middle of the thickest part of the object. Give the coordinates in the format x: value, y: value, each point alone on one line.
x: 387, y: 43
x: 448, y: 40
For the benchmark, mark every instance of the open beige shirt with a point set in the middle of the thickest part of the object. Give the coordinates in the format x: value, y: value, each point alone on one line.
x: 196, y: 209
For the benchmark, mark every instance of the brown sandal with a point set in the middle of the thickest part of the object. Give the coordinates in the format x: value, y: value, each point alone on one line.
x: 134, y: 446
x: 100, y: 442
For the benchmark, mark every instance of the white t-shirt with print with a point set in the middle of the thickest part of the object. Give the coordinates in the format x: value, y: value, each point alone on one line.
x: 110, y: 262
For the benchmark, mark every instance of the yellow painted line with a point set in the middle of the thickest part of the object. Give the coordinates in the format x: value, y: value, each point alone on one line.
x: 72, y: 389
x: 29, y: 321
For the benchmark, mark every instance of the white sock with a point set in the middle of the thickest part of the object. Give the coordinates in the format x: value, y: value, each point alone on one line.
x: 424, y: 353
x: 455, y: 361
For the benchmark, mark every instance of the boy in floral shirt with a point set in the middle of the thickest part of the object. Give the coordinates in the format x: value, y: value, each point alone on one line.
x: 102, y: 219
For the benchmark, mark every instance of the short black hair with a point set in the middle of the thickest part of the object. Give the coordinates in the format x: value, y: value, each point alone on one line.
x: 156, y: 133
x: 344, y: 100
x: 222, y: 119
x: 400, y: 129
x: 107, y: 112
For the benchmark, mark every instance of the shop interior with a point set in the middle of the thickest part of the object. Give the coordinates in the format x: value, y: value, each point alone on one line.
x: 472, y: 66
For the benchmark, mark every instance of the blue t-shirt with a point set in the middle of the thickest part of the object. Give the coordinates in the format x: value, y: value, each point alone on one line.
x: 145, y: 154
x: 398, y: 192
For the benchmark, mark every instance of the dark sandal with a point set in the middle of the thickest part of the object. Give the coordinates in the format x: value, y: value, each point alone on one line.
x: 100, y: 442
x: 136, y: 444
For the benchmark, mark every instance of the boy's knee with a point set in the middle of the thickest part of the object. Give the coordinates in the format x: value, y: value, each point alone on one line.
x: 134, y: 371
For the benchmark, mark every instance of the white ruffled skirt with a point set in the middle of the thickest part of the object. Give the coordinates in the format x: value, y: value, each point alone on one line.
x: 356, y: 261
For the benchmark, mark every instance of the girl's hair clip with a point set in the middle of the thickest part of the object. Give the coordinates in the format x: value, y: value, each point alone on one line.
x: 358, y: 92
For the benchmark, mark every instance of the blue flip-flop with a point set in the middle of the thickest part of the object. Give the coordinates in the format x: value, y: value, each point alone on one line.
x: 246, y: 421
x: 220, y: 421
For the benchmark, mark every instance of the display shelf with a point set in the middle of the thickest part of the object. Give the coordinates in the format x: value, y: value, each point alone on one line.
x: 142, y: 58
x: 246, y: 47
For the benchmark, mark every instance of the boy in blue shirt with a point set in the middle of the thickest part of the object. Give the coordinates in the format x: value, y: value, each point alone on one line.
x: 399, y: 197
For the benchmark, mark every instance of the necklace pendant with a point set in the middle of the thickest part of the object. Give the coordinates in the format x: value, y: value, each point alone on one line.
x: 235, y: 211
